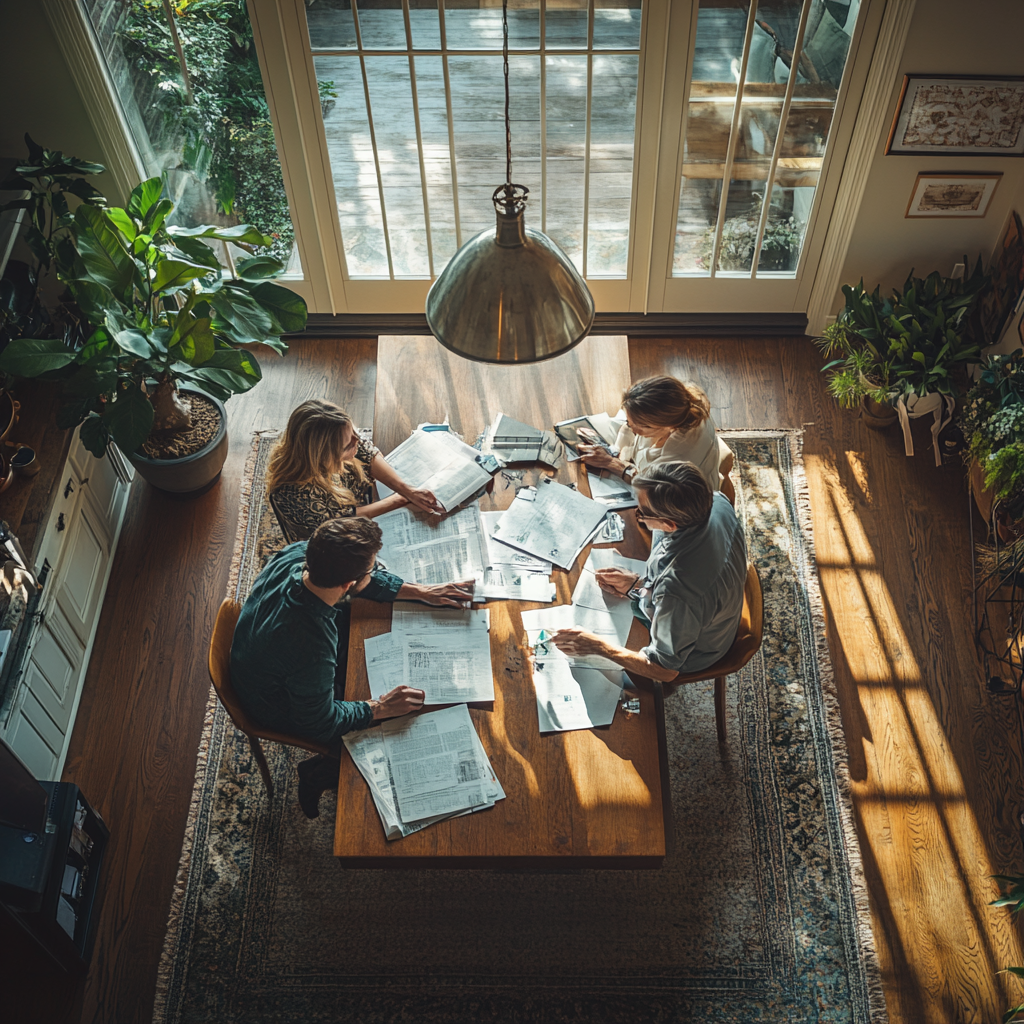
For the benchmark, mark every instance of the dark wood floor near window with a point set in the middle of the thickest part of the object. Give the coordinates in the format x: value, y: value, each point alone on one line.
x: 935, y: 760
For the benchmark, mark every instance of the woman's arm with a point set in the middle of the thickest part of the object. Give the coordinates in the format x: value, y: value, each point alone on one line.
x: 575, y: 641
x: 418, y: 496
x: 378, y: 508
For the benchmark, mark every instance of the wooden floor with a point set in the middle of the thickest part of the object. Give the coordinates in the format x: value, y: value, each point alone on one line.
x: 936, y: 761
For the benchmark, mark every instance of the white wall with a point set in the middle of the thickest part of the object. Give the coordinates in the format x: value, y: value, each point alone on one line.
x: 966, y: 37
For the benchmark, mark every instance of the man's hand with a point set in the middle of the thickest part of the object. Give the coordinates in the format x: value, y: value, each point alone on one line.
x: 454, y: 595
x: 598, y: 457
x: 575, y: 641
x: 424, y: 500
x: 616, y: 581
x: 400, y: 701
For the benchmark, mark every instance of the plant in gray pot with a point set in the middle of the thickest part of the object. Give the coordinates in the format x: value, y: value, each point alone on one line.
x: 166, y: 328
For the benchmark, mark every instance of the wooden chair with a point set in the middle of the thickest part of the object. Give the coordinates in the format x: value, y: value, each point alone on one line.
x: 220, y: 674
x: 744, y: 647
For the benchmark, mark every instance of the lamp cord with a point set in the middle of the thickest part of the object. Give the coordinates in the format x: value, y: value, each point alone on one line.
x: 508, y: 123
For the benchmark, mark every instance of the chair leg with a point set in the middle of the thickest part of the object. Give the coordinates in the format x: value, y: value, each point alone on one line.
x: 261, y: 760
x: 720, y: 707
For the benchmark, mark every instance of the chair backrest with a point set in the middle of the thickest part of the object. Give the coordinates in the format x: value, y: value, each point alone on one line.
x: 220, y: 663
x: 750, y: 632
x: 281, y: 521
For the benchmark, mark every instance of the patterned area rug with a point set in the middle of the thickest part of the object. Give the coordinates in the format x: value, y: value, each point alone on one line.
x: 759, y: 914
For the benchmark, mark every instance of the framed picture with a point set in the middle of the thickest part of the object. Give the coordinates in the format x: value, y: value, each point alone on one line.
x: 959, y: 115
x: 952, y: 195
x: 997, y: 302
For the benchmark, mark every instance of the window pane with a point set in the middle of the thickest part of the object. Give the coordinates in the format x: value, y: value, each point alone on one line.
x: 355, y: 176
x: 426, y: 27
x: 739, y: 230
x: 330, y: 25
x: 566, y: 24
x: 479, y: 28
x: 566, y: 103
x: 612, y: 119
x: 616, y: 24
x: 784, y: 233
x: 211, y: 137
x: 381, y: 24
x: 436, y: 159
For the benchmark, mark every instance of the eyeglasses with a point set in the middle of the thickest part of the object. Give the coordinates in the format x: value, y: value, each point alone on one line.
x: 644, y: 515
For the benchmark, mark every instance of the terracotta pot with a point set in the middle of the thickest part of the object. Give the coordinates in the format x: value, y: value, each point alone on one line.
x: 877, y: 415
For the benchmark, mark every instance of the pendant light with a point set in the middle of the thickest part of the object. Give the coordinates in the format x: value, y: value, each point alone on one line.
x: 509, y: 295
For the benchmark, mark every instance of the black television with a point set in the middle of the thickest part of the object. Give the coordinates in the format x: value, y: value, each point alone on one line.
x: 23, y: 802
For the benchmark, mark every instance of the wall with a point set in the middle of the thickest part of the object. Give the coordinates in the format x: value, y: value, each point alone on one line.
x: 982, y: 37
x: 42, y: 99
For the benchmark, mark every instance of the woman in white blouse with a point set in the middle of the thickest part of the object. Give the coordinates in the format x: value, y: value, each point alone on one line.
x: 667, y: 420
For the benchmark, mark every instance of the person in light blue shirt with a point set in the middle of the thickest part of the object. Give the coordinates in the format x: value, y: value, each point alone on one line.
x: 691, y: 594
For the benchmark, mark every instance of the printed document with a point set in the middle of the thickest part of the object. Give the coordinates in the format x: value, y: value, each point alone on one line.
x: 573, y: 696
x: 511, y: 584
x: 500, y: 555
x: 552, y: 522
x: 450, y: 666
x: 433, y: 549
x: 440, y: 462
x: 610, y: 491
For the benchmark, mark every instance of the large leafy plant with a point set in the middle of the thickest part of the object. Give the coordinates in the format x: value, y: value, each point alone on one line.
x: 161, y: 311
x: 909, y: 343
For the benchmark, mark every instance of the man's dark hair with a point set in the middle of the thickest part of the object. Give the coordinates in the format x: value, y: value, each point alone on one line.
x: 342, y: 551
x: 678, y: 492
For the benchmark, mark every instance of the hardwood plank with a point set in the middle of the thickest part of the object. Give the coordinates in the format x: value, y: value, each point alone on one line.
x: 590, y: 798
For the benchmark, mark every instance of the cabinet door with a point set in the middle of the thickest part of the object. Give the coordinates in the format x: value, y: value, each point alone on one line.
x: 54, y: 665
x: 82, y: 570
x: 33, y: 736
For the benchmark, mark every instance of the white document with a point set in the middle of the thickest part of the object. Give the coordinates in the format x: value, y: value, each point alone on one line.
x: 438, y: 764
x: 450, y: 666
x: 573, y: 696
x: 500, y: 555
x: 385, y: 663
x: 554, y: 522
x: 507, y: 583
x: 610, y: 491
x: 612, y: 530
x: 440, y: 462
x: 433, y: 549
x: 410, y: 616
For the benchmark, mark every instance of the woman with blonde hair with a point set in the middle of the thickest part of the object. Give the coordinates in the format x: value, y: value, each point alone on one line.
x: 321, y: 469
x: 667, y: 420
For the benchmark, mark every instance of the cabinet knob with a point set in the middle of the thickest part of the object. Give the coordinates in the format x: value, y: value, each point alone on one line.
x: 68, y: 487
x: 60, y: 522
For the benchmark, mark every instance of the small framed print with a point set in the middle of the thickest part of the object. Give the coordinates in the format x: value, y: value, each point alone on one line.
x: 959, y: 115
x: 952, y: 195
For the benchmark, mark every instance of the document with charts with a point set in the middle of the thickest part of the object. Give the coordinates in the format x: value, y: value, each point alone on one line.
x: 422, y: 548
x: 552, y: 522
x: 441, y: 463
x: 574, y: 696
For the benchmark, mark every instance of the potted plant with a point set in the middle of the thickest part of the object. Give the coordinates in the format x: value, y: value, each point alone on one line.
x: 905, y: 349
x: 163, y: 319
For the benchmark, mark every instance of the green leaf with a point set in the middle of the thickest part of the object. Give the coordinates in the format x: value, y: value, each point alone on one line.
x: 129, y: 419
x: 106, y: 259
x: 95, y: 436
x: 259, y: 268
x: 238, y: 361
x: 287, y: 309
x: 29, y: 357
x: 144, y: 196
x: 198, y: 252
x: 81, y: 188
x: 173, y: 275
x: 89, y: 383
x: 72, y: 413
x: 156, y: 215
x: 240, y: 317
x: 93, y: 299
x: 123, y: 222
x: 1017, y: 971
x: 239, y: 233
x: 194, y: 337
x: 134, y: 342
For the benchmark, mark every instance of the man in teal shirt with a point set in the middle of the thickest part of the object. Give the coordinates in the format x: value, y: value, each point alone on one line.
x: 289, y: 655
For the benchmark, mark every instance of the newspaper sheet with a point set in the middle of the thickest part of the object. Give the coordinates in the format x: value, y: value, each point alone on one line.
x: 500, y: 555
x: 440, y: 462
x: 433, y: 549
x: 552, y: 522
x: 449, y: 666
x: 385, y: 663
x: 510, y: 584
x: 574, y: 696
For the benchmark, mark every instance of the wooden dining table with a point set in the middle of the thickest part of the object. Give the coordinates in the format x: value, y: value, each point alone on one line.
x: 594, y: 798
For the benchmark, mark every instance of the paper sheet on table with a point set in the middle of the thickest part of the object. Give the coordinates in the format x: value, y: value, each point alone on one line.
x: 409, y: 616
x: 554, y: 522
x: 513, y: 441
x: 437, y: 762
x: 385, y: 663
x: 588, y: 593
x: 610, y: 491
x: 441, y: 463
x: 450, y: 666
x: 574, y: 697
x: 433, y: 549
x: 507, y: 583
x: 499, y: 554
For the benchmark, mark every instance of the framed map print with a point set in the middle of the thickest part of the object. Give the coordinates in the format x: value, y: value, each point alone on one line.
x: 959, y: 115
x: 952, y: 195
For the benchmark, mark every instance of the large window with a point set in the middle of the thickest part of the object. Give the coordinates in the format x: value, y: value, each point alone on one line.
x: 762, y: 94
x: 413, y: 101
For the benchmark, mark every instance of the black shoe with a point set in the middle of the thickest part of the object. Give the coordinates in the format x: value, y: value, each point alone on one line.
x: 316, y: 774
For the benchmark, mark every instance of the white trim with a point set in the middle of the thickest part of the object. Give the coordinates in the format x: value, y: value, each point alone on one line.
x: 878, y: 89
x: 88, y: 70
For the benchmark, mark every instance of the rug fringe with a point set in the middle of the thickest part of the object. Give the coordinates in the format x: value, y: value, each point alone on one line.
x: 180, y: 890
x: 872, y: 970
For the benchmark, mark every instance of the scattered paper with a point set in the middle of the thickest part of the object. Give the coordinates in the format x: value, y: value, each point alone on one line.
x: 610, y: 491
x: 513, y: 441
x: 573, y: 696
x: 449, y: 666
x: 441, y: 463
x: 511, y: 584
x: 500, y: 555
x: 433, y: 549
x: 612, y: 530
x: 385, y: 663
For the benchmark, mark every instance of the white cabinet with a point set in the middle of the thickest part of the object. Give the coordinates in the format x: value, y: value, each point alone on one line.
x: 78, y: 548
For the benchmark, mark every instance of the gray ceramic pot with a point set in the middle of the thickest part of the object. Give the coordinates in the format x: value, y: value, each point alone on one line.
x: 193, y: 474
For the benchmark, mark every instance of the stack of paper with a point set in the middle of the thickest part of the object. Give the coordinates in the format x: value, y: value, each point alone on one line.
x: 574, y: 696
x: 610, y: 491
x: 433, y: 549
x: 441, y: 463
x: 513, y: 441
x: 424, y: 769
x: 551, y: 521
x: 511, y: 574
x: 446, y: 652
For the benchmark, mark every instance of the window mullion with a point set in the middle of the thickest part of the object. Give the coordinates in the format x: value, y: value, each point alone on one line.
x: 586, y: 138
x: 451, y: 124
x: 419, y: 137
x: 543, y: 118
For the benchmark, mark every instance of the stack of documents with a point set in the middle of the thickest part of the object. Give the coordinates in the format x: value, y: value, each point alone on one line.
x: 422, y: 548
x: 610, y: 491
x: 551, y: 521
x: 446, y: 652
x: 438, y: 461
x: 573, y: 696
x: 424, y: 769
x: 511, y: 574
x: 513, y: 441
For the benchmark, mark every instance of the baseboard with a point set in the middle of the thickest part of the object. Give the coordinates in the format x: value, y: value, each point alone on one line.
x: 364, y: 325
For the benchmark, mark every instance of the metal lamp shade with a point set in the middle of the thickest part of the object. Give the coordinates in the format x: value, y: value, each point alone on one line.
x: 510, y: 295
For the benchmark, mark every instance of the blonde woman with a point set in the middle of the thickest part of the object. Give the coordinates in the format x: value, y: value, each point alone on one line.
x: 667, y: 420
x: 321, y: 469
